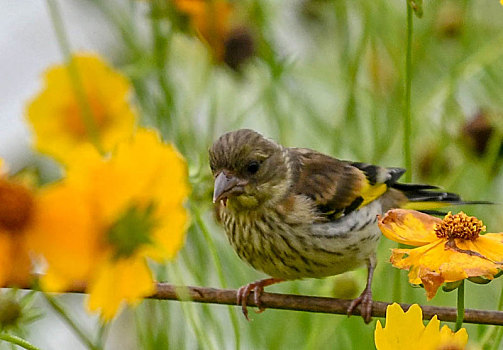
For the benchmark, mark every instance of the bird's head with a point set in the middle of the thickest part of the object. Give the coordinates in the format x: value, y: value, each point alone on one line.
x: 249, y: 170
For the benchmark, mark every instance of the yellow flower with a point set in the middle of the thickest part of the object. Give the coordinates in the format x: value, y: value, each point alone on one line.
x: 74, y: 109
x: 17, y: 208
x: 405, y: 330
x: 211, y: 21
x: 109, y: 216
x: 448, y: 250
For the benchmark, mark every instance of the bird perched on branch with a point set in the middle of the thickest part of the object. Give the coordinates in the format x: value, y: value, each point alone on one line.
x: 296, y: 213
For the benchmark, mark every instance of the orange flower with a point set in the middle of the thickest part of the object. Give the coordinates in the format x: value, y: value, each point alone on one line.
x: 211, y: 20
x: 109, y: 216
x: 406, y: 331
x: 448, y: 250
x: 83, y: 101
x: 17, y: 207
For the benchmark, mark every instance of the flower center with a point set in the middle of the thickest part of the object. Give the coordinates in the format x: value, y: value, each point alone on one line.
x: 459, y: 226
x: 132, y: 230
x: 16, y: 206
x: 75, y: 121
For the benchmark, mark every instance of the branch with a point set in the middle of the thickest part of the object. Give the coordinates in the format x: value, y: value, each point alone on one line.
x: 167, y: 291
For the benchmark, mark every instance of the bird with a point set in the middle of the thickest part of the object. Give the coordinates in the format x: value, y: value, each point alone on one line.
x: 295, y: 213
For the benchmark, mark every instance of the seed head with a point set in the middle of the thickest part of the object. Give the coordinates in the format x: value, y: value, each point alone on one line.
x: 459, y: 226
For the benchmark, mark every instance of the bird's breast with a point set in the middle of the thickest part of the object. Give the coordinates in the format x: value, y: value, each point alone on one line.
x: 271, y: 243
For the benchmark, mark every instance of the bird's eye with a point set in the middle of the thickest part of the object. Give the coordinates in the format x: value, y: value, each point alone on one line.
x: 252, y: 167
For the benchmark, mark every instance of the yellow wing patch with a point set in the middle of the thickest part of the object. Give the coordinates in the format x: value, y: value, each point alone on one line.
x: 424, y: 205
x: 371, y: 192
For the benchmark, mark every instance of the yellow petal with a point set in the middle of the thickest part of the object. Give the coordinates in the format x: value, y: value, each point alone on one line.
x: 65, y: 231
x: 451, y: 340
x: 60, y: 120
x: 3, y: 167
x: 398, y: 324
x: 117, y: 281
x: 146, y: 171
x: 52, y: 281
x: 169, y: 237
x: 409, y: 227
x: 433, y: 264
x: 489, y: 245
x: 431, y: 336
x: 406, y: 331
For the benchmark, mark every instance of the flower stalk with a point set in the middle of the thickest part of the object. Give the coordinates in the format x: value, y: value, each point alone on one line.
x: 407, y: 123
x: 87, y: 114
x: 17, y: 341
x: 63, y: 314
x: 460, y: 306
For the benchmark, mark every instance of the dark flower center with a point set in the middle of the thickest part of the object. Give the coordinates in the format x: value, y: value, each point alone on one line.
x: 16, y: 206
x: 459, y: 226
x: 132, y: 230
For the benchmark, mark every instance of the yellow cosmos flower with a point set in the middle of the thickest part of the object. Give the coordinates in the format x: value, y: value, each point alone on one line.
x: 74, y: 109
x: 110, y: 215
x: 211, y: 21
x: 448, y: 250
x: 405, y: 330
x: 17, y: 207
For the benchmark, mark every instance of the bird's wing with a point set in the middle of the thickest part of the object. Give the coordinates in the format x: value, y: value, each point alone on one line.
x: 339, y: 187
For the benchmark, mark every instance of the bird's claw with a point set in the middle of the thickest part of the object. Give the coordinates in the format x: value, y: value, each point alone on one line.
x: 242, y: 298
x: 257, y: 288
x: 365, y: 302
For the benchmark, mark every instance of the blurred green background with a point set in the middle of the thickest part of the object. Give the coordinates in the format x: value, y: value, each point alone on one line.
x: 323, y: 74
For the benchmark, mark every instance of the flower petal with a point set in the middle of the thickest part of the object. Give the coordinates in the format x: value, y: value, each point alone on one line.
x: 433, y: 264
x: 451, y: 340
x: 406, y: 331
x: 15, y: 264
x: 398, y: 324
x: 65, y: 232
x: 58, y: 119
x: 409, y: 227
x: 117, y: 281
x: 489, y: 245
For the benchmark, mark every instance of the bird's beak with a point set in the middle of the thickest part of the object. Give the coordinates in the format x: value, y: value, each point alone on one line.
x: 226, y: 184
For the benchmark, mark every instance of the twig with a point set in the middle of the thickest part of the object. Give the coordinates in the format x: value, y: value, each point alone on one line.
x: 315, y: 304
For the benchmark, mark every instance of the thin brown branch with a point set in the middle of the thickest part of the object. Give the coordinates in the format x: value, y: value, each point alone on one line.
x: 314, y: 304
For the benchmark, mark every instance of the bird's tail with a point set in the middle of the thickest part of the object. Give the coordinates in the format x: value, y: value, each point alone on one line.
x: 429, y: 198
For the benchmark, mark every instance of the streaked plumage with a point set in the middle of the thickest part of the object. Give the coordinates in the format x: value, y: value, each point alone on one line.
x: 296, y: 213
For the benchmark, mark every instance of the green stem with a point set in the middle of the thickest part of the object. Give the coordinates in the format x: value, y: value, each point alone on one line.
x: 407, y: 129
x: 17, y: 341
x: 102, y: 334
x: 211, y: 245
x: 188, y: 311
x: 461, y: 306
x: 124, y: 25
x: 397, y: 284
x: 161, y: 47
x: 87, y: 115
x: 58, y: 308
